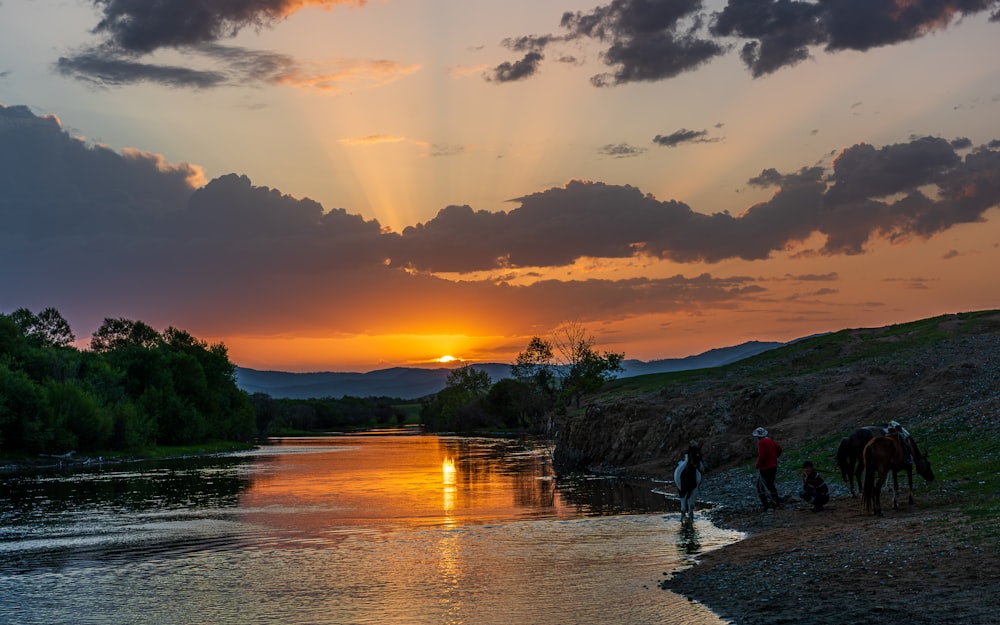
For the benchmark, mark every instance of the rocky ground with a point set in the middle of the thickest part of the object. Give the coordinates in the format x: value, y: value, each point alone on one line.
x: 927, y: 563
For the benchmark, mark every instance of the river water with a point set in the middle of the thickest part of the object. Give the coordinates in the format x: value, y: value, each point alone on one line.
x: 374, y: 529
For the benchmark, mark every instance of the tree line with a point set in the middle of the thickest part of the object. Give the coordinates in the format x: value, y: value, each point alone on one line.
x: 548, y: 376
x: 276, y: 416
x: 136, y: 388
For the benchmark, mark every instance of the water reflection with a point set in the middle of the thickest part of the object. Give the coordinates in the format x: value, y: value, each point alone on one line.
x: 688, y: 543
x: 376, y: 529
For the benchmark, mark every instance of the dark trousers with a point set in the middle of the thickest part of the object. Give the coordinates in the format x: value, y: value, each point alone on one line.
x: 765, y: 488
x: 818, y: 500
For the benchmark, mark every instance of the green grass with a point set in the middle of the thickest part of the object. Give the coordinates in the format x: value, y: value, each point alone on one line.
x: 412, y: 412
x: 890, y: 344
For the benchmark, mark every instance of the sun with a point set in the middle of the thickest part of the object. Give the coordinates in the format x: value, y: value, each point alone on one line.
x: 447, y: 358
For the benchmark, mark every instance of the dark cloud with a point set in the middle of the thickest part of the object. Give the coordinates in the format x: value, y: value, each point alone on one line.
x: 108, y: 68
x: 54, y: 184
x: 781, y: 31
x: 125, y: 230
x: 683, y: 136
x: 97, y: 233
x: 863, y: 25
x: 651, y: 40
x: 230, y: 66
x: 518, y: 70
x: 139, y: 27
x: 870, y: 193
x: 864, y: 172
x: 814, y: 277
x: 647, y: 40
x: 132, y: 29
x: 771, y: 177
x: 621, y: 150
x: 528, y: 43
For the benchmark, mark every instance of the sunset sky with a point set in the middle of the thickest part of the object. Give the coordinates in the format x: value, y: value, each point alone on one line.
x: 331, y: 185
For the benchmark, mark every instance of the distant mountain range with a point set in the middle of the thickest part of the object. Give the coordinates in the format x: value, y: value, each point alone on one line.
x: 413, y: 382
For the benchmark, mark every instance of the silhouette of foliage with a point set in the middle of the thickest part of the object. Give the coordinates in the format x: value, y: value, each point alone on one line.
x: 134, y: 388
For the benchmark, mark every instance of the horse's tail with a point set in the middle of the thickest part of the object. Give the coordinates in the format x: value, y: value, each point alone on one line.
x: 843, y: 461
x: 868, y: 489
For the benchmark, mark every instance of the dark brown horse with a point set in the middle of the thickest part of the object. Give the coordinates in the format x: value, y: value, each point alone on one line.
x: 849, y: 453
x: 887, y: 455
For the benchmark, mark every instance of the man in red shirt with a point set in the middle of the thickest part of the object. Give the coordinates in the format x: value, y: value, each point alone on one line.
x: 767, y: 466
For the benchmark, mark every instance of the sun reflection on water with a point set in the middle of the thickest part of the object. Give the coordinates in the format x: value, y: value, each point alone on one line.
x: 450, y: 488
x: 449, y: 550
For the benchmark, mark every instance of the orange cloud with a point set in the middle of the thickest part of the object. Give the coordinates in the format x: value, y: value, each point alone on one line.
x: 347, y: 75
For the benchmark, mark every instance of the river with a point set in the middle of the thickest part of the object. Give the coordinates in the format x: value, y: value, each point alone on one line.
x: 360, y: 529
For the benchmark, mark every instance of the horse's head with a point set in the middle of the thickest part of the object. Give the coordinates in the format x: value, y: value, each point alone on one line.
x: 921, y: 462
x: 694, y: 454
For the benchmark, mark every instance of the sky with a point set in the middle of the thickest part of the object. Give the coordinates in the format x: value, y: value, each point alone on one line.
x: 335, y: 185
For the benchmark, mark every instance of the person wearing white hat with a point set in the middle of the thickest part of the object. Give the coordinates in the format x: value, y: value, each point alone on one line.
x: 767, y: 469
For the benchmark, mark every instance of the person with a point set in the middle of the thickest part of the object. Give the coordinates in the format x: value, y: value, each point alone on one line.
x: 814, y: 488
x: 767, y: 466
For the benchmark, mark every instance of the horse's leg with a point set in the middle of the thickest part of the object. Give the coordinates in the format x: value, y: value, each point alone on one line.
x: 895, y: 489
x: 879, y: 485
x: 858, y: 471
x: 909, y: 481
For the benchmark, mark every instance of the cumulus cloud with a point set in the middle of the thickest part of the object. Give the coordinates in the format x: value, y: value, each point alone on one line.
x: 133, y: 32
x: 646, y: 40
x: 621, y: 150
x: 117, y: 231
x: 651, y: 40
x: 517, y: 70
x: 143, y: 27
x: 684, y: 136
x: 870, y: 193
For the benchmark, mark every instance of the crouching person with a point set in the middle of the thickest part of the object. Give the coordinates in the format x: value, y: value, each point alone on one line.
x: 814, y: 489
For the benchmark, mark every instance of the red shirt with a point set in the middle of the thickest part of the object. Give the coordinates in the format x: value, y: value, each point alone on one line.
x: 767, y: 453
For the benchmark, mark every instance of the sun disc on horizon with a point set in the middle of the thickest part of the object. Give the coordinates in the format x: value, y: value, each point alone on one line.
x: 447, y: 358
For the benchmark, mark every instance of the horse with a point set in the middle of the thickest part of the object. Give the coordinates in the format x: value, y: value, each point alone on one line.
x: 887, y: 455
x: 849, y: 453
x: 687, y: 477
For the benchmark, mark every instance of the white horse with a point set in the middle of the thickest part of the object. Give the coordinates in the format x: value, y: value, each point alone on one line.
x: 687, y: 477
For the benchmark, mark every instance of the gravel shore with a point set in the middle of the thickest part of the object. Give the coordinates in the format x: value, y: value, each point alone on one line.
x: 927, y: 563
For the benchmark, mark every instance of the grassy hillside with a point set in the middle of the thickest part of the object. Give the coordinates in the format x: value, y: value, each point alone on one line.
x: 940, y: 377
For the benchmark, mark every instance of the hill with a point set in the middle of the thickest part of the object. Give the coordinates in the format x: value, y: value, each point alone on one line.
x: 924, y: 563
x: 413, y: 382
x: 939, y: 377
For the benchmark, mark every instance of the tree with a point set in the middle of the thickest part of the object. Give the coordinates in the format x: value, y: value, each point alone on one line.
x: 135, y: 388
x: 579, y: 368
x: 473, y: 381
x: 116, y: 333
x: 591, y: 372
x: 456, y: 406
x: 535, y: 365
x: 517, y: 403
x: 46, y: 329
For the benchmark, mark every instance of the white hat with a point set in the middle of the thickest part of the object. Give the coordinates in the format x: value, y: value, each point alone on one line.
x: 759, y: 433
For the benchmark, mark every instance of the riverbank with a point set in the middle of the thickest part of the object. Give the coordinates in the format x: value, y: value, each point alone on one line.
x: 929, y: 563
x: 72, y: 460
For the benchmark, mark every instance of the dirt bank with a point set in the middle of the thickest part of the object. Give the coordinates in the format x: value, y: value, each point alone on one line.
x: 923, y: 564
